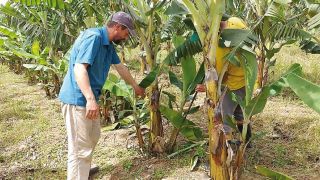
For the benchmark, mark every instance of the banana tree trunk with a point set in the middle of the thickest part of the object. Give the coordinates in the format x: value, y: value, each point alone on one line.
x: 45, y: 83
x: 156, y: 128
x: 261, y: 65
x: 239, y: 161
x: 56, y: 82
x: 237, y: 169
x: 143, y: 61
x: 207, y: 23
x: 150, y: 45
x: 19, y: 67
x: 219, y: 169
x: 265, y: 75
x: 106, y: 110
x: 217, y: 141
x: 172, y: 140
x: 263, y: 70
x: 139, y: 136
x: 260, y: 71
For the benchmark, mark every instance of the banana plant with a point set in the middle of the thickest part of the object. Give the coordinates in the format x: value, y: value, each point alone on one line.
x: 285, y: 24
x: 59, y: 4
x: 194, y: 45
x: 114, y: 105
x: 149, y: 35
x: 150, y: 23
x: 8, y: 35
x: 49, y: 71
x: 179, y: 118
x: 54, y: 23
x: 206, y: 16
x: 186, y: 86
x: 276, y: 26
x: 207, y: 27
x: 307, y: 91
x: 278, y: 23
x: 138, y: 108
x: 50, y: 26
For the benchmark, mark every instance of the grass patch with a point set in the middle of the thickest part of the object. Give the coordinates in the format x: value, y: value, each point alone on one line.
x: 281, y: 156
x: 289, y: 55
x: 137, y: 173
x: 27, y: 140
x: 127, y: 165
x: 291, y: 143
x: 158, y: 174
x: 19, y: 121
x: 104, y: 169
x: 293, y: 54
x: 16, y: 109
x: 31, y: 173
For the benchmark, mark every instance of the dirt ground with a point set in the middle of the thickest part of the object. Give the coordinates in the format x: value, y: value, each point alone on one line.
x: 33, y: 141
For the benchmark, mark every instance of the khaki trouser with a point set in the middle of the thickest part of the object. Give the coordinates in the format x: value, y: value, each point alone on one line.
x: 83, y: 135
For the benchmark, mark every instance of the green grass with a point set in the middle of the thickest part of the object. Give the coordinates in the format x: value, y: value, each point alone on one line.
x: 19, y: 118
x: 17, y: 109
x: 158, y: 174
x: 28, y: 141
x: 293, y: 54
x: 281, y: 156
x: 295, y: 149
x: 127, y: 165
x: 137, y: 173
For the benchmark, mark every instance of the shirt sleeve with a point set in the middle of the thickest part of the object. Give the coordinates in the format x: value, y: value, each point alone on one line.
x: 115, y: 57
x: 88, y: 50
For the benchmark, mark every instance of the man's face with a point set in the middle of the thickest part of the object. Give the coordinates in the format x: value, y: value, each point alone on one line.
x: 121, y: 34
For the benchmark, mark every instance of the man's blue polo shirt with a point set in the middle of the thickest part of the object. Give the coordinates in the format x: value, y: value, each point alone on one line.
x: 91, y: 47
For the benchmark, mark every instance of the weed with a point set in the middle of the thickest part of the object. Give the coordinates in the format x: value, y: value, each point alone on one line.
x: 137, y: 173
x: 281, y: 157
x: 201, y: 152
x: 127, y: 165
x: 158, y: 174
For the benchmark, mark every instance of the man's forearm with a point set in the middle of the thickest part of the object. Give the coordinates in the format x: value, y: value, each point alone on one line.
x: 125, y: 74
x: 82, y: 78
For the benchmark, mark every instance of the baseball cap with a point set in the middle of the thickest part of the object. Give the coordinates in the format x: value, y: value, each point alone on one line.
x: 125, y: 20
x: 236, y: 23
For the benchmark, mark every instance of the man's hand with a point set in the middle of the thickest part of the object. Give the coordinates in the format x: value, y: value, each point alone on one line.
x: 139, y: 91
x: 201, y: 88
x: 92, y: 109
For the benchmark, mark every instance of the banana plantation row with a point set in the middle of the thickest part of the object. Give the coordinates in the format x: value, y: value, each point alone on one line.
x: 36, y: 36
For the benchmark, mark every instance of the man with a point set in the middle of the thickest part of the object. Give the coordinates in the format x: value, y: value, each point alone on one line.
x: 90, y: 60
x: 233, y: 79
